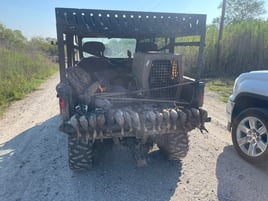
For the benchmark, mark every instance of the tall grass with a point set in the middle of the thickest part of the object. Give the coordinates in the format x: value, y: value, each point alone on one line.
x: 244, y: 47
x: 20, y: 73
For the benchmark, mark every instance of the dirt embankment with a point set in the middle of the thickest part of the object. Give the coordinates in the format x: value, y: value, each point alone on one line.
x: 33, y: 162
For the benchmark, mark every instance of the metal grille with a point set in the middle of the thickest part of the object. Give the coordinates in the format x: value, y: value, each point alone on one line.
x: 164, y: 74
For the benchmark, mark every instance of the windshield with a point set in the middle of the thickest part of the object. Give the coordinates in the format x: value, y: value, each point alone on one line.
x: 114, y: 47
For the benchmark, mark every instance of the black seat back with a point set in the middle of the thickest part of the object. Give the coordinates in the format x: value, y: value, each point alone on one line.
x: 94, y: 48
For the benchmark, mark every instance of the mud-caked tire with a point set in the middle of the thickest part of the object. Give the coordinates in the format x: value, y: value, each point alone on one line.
x: 80, y: 154
x: 174, y: 146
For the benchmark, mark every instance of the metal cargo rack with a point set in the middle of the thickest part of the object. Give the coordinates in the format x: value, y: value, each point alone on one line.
x: 73, y: 22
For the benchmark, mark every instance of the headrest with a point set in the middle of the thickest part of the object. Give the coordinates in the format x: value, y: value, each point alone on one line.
x: 94, y: 48
x: 146, y: 46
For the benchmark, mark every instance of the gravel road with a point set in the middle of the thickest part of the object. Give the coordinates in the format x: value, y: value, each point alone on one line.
x: 33, y: 162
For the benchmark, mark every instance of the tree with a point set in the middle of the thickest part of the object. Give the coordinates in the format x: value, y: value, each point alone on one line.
x: 11, y: 39
x: 43, y: 44
x: 242, y: 10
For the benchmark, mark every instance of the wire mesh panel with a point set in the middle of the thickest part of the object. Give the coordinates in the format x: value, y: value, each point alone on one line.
x: 158, y: 74
x: 163, y: 76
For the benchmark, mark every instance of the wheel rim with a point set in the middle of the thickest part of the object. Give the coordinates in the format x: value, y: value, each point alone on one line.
x: 252, y: 136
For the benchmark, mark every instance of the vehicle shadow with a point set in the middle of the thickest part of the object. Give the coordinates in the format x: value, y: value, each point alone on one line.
x: 116, y: 177
x: 240, y: 180
x: 33, y: 166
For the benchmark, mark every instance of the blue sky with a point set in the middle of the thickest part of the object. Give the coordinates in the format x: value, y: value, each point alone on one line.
x: 37, y: 18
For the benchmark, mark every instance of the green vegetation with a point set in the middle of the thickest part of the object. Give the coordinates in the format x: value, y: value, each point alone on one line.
x: 243, y: 48
x: 23, y: 65
x: 223, y: 87
x: 241, y: 10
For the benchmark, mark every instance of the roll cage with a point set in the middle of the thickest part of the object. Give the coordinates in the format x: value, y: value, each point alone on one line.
x: 75, y: 24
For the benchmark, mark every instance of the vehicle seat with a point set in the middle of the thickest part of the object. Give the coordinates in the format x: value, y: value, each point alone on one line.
x: 96, y: 61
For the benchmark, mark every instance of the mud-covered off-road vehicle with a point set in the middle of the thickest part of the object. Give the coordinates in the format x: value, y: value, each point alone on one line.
x: 122, y: 80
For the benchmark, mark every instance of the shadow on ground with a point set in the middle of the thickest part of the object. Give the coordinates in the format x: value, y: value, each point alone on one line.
x: 240, y: 180
x: 33, y: 166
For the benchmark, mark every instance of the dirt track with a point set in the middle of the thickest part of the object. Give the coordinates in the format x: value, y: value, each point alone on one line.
x: 33, y: 162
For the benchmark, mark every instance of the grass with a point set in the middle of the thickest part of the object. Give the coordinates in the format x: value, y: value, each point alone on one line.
x: 21, y: 73
x: 223, y: 87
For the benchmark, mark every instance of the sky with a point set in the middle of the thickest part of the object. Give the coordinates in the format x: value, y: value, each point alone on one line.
x: 37, y: 17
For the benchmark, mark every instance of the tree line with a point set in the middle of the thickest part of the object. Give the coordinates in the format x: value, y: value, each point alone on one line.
x: 15, y: 40
x: 24, y: 64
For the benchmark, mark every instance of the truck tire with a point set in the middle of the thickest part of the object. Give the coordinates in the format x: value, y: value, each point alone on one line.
x: 174, y: 146
x: 80, y: 154
x: 250, y: 135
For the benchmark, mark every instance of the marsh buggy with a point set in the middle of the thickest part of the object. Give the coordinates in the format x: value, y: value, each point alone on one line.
x: 122, y: 80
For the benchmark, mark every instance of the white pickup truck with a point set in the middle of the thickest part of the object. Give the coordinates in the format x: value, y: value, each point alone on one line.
x: 247, y: 113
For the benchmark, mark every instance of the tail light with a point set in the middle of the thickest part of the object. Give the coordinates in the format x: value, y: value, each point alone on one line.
x: 64, y: 108
x: 63, y: 92
x: 62, y: 104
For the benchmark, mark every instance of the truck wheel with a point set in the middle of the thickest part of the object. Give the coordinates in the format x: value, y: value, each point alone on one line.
x: 80, y: 154
x: 250, y: 133
x: 174, y: 146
